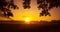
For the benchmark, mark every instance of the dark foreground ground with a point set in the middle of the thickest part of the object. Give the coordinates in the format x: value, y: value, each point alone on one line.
x: 20, y: 26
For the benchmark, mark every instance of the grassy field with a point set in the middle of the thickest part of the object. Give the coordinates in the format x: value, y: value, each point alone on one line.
x: 34, y: 26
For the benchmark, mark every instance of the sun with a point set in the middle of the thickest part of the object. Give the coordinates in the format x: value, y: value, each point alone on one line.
x: 27, y: 20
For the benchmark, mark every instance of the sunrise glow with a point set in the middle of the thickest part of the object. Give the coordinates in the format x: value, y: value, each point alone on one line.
x: 33, y: 13
x: 27, y: 20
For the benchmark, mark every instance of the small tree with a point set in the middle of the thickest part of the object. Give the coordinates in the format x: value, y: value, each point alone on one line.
x: 5, y: 7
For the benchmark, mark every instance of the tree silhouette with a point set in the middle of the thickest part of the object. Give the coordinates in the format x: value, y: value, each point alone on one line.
x: 6, y: 6
x: 26, y: 4
x: 46, y: 5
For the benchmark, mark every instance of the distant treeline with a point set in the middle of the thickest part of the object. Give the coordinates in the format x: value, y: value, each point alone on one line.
x: 44, y: 26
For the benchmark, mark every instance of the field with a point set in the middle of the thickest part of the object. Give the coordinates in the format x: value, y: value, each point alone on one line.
x: 34, y: 26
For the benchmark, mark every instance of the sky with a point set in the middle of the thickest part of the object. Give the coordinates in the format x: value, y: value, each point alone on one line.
x: 33, y: 12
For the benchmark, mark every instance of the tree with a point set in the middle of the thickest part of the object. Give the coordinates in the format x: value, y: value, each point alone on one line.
x: 5, y: 7
x: 26, y: 4
x: 46, y: 5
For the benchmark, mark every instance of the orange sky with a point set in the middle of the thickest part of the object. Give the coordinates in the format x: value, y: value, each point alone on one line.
x: 33, y: 12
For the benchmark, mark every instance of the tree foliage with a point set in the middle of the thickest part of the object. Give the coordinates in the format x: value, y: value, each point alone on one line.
x: 47, y: 5
x: 6, y: 6
x: 26, y: 4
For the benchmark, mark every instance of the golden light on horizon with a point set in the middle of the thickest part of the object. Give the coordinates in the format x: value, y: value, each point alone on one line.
x: 27, y: 20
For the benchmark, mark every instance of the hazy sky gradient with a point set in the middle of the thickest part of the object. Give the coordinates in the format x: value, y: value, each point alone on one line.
x: 33, y: 12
